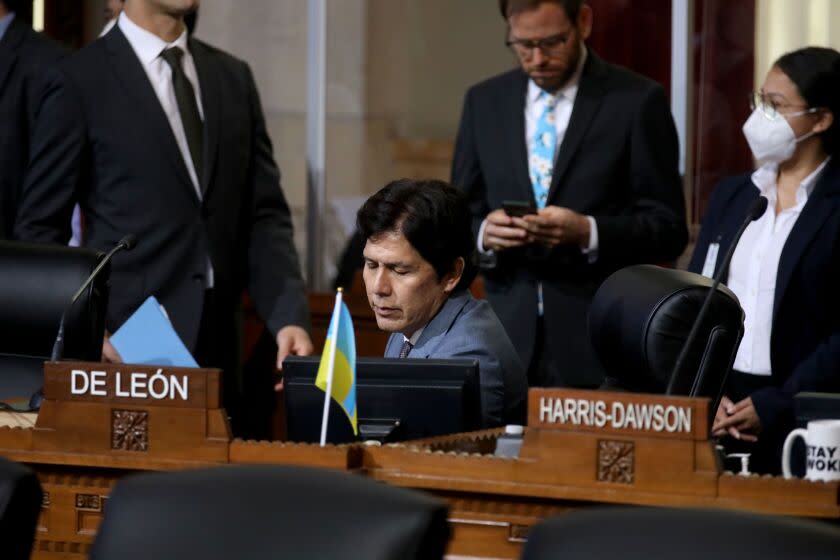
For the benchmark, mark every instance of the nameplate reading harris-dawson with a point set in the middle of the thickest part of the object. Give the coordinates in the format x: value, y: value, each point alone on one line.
x: 126, y: 383
x: 601, y: 411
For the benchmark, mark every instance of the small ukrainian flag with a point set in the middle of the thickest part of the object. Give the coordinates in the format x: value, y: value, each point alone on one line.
x: 337, y: 370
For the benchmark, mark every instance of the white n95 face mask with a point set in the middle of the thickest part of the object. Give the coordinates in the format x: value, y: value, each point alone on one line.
x: 770, y: 140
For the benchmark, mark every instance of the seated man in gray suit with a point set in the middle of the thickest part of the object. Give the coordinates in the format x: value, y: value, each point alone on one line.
x: 418, y: 249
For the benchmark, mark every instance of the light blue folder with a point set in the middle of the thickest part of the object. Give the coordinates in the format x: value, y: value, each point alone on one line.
x: 147, y: 337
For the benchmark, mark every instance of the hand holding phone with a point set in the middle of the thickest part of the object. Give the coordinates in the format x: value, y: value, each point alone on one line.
x: 518, y: 208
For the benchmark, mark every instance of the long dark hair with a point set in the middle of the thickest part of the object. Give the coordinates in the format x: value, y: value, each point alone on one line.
x: 816, y: 73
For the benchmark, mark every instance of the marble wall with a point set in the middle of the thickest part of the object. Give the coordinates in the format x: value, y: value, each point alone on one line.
x: 397, y: 71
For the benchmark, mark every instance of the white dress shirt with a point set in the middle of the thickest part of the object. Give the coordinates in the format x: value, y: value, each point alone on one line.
x: 534, y: 107
x: 755, y: 266
x: 415, y: 337
x: 148, y: 47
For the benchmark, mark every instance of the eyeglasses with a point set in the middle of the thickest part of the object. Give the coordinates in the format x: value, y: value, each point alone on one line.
x: 550, y: 45
x: 773, y: 109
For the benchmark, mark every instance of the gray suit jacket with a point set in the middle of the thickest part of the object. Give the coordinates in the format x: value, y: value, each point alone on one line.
x: 468, y: 328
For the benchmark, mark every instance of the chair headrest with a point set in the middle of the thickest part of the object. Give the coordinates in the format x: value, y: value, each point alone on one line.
x: 641, y: 316
x: 36, y: 286
x: 281, y: 511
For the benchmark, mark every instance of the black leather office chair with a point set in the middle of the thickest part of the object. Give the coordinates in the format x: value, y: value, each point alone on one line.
x: 639, y: 320
x: 266, y: 511
x: 687, y: 534
x: 36, y: 285
x: 20, y: 504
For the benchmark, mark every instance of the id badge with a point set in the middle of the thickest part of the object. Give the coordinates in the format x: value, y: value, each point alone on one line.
x: 711, y: 260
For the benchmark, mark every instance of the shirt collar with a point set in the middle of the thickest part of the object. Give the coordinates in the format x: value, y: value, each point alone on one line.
x: 146, y: 44
x: 569, y: 91
x: 415, y: 337
x: 5, y: 22
x: 765, y: 179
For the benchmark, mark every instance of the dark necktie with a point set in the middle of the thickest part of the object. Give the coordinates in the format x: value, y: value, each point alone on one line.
x: 187, y: 107
x: 406, y: 348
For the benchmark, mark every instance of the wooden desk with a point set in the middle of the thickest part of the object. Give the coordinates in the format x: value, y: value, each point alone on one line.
x: 493, y: 501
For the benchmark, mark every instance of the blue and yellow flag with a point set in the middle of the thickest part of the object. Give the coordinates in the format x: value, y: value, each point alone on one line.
x: 344, y: 369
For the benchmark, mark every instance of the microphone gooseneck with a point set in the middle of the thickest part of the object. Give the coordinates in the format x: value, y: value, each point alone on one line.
x: 127, y: 243
x: 755, y: 212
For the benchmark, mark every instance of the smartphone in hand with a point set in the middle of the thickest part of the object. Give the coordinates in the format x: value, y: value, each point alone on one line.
x: 518, y: 208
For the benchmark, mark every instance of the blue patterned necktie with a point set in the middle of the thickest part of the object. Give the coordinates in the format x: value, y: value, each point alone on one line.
x: 541, y: 150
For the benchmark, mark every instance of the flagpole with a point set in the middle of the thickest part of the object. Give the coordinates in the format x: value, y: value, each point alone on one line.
x: 331, y: 366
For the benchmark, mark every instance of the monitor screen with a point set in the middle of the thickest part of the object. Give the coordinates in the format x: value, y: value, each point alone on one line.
x: 397, y: 399
x: 20, y: 377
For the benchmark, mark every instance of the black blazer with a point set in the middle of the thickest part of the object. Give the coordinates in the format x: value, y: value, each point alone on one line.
x: 102, y: 139
x: 805, y: 337
x: 617, y: 163
x: 24, y: 56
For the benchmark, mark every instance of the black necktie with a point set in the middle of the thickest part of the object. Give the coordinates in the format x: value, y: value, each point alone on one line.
x: 187, y: 107
x: 406, y: 348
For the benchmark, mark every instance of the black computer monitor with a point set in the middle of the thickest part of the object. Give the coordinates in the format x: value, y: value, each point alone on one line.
x: 396, y: 399
x: 20, y: 378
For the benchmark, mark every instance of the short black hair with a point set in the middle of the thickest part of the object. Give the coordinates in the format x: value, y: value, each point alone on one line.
x: 815, y: 71
x: 432, y: 215
x: 511, y: 7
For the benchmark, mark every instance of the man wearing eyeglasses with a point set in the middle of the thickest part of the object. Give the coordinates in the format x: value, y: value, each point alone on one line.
x: 571, y: 168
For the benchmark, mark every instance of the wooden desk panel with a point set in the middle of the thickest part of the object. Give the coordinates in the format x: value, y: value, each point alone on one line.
x: 493, y: 501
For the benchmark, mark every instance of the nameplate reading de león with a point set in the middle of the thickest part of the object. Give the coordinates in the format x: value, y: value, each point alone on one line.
x: 133, y: 385
x: 600, y: 411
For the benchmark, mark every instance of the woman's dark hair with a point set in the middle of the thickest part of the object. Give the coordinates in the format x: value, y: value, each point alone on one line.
x: 816, y: 73
x: 511, y: 7
x: 432, y: 215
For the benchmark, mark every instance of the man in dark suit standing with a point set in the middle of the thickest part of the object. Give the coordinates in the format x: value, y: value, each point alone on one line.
x: 163, y: 136
x: 24, y: 56
x: 589, y: 152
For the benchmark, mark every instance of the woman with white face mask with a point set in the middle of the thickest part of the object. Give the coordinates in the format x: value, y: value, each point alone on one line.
x: 786, y: 267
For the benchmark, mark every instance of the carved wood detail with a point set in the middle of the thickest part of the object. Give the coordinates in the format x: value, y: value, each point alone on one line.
x: 504, y: 507
x: 62, y: 547
x: 616, y: 461
x: 88, y: 502
x: 130, y: 430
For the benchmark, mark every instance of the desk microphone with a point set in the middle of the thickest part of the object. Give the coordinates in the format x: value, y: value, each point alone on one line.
x: 127, y: 243
x: 755, y: 212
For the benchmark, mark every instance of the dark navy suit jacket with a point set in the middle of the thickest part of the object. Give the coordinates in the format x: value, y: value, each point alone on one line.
x: 805, y: 337
x: 24, y: 57
x: 103, y: 140
x: 617, y: 163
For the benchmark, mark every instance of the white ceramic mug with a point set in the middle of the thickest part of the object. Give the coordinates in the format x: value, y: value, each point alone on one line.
x: 822, y: 441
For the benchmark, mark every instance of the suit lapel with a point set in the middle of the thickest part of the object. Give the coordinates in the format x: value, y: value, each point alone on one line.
x: 210, y: 101
x: 7, y: 63
x: 389, y: 352
x: 128, y: 69
x: 821, y: 204
x: 436, y: 330
x: 9, y: 46
x: 515, y: 136
x: 588, y: 99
